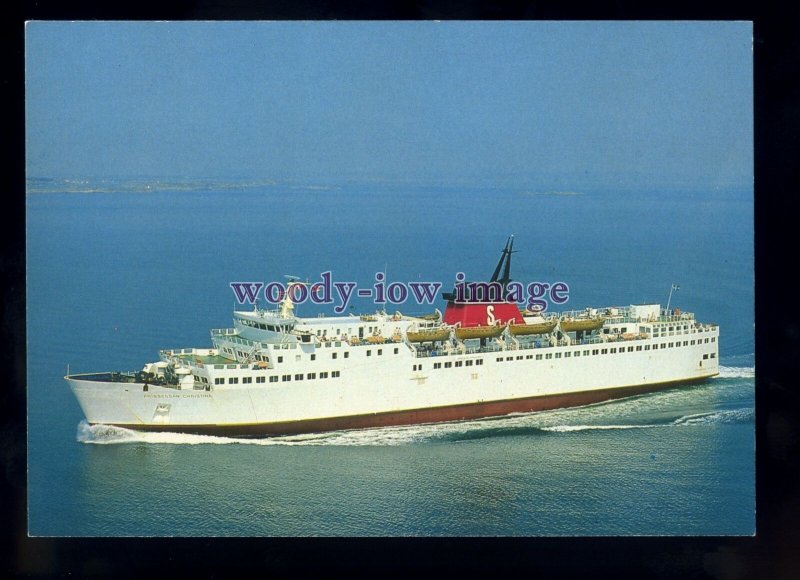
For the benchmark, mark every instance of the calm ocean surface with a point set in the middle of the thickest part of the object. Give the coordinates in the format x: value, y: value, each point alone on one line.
x: 114, y: 276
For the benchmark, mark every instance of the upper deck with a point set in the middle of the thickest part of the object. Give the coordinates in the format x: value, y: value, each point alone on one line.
x: 622, y: 324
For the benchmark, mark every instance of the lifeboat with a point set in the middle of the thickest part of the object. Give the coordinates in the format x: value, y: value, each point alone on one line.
x: 582, y: 324
x: 376, y: 339
x: 527, y: 312
x: 433, y: 316
x: 429, y: 335
x: 535, y: 328
x: 479, y: 332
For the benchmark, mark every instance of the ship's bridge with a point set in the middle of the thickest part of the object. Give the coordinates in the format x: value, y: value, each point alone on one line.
x: 262, y: 326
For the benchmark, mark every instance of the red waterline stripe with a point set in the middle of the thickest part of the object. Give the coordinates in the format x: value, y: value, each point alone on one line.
x: 416, y: 416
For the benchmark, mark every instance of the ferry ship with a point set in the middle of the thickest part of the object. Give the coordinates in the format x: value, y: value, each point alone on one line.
x: 275, y: 373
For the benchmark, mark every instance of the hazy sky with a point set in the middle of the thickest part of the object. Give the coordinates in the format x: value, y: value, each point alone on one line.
x: 535, y: 102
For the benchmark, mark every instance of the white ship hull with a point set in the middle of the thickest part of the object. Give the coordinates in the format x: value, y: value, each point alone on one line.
x: 276, y: 373
x: 403, y: 388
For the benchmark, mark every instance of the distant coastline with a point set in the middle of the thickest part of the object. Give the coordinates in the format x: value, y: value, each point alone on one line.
x: 144, y: 185
x: 551, y: 193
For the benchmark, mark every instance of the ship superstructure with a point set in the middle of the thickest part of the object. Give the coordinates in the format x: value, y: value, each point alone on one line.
x: 276, y: 373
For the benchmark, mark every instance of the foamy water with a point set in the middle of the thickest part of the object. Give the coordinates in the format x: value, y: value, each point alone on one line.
x: 732, y: 416
x: 737, y: 372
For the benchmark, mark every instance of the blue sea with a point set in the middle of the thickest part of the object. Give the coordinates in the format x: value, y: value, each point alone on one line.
x: 118, y: 269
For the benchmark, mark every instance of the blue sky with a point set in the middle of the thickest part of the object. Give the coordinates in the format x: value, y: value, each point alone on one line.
x: 553, y: 104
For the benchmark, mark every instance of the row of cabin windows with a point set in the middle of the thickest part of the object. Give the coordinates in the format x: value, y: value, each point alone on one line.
x: 369, y: 329
x: 597, y: 351
x: 673, y: 328
x: 324, y: 332
x: 459, y: 363
x: 663, y: 332
x: 275, y: 378
x: 241, y: 354
x: 538, y: 356
x: 396, y: 351
x: 313, y: 356
x: 308, y: 376
x: 335, y: 355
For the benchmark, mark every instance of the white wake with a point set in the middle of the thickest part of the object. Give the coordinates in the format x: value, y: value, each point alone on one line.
x: 736, y: 372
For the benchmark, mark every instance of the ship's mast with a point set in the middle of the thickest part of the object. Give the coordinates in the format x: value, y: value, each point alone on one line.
x: 500, y: 263
x: 671, y: 290
x: 505, y: 258
x: 286, y: 305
